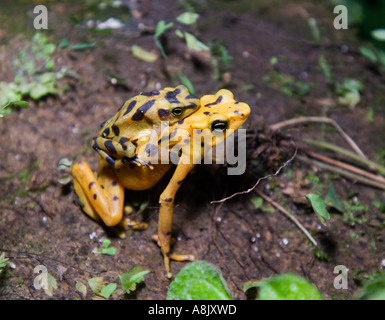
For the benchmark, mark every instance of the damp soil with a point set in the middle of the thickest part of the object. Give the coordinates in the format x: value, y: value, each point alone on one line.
x: 41, y: 223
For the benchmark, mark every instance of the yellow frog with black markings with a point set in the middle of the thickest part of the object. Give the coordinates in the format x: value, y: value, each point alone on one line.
x: 103, y: 197
x: 121, y: 135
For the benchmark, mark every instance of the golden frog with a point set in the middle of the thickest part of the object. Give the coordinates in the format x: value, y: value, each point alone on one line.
x: 103, y: 197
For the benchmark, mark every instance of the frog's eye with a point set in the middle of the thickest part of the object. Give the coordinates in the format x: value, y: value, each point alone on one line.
x: 177, y: 111
x: 219, y: 125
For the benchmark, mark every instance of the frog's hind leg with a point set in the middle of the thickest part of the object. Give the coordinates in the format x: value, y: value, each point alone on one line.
x: 102, y: 197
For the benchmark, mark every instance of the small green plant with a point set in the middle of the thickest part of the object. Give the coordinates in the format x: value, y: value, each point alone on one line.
x: 286, y: 83
x: 318, y: 206
x: 214, y: 51
x: 105, y: 248
x: 285, y: 287
x: 35, y: 76
x: 128, y: 283
x: 373, y: 289
x: 355, y: 212
x: 3, y: 262
x: 348, y: 92
x: 199, y: 280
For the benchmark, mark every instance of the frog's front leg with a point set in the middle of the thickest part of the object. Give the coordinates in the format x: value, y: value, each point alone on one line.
x: 166, y: 213
x: 101, y: 198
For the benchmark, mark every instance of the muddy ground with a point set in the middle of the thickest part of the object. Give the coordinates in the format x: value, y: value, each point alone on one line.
x: 41, y: 224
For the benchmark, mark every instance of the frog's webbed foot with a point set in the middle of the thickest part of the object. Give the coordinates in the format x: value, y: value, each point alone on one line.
x: 129, y: 224
x: 167, y: 256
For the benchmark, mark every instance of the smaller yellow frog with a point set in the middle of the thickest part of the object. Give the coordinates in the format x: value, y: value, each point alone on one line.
x: 121, y: 135
x: 103, y: 197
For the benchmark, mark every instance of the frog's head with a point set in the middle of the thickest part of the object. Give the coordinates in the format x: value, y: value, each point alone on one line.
x: 220, y: 114
x: 173, y: 105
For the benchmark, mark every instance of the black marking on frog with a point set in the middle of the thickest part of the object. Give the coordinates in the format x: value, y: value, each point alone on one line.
x: 110, y: 161
x: 171, y: 96
x: 173, y: 133
x: 151, y: 150
x: 150, y: 93
x: 139, y: 114
x: 116, y: 130
x: 110, y: 146
x: 106, y: 132
x: 219, y: 99
x: 163, y: 113
x: 191, y: 96
x: 130, y: 107
x: 123, y: 141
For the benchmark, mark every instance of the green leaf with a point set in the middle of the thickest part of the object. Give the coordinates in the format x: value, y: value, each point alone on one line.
x: 378, y: 34
x: 108, y: 251
x: 64, y: 43
x: 96, y: 284
x: 83, y: 46
x: 141, y: 54
x: 194, y: 44
x: 187, y: 18
x: 129, y: 279
x: 374, y: 289
x: 199, y: 280
x: 19, y: 104
x: 8, y: 92
x: 108, y: 290
x: 63, y: 164
x: 106, y: 243
x: 368, y: 53
x: 186, y: 82
x: 3, y: 260
x: 285, y: 287
x: 161, y: 27
x: 81, y: 287
x: 257, y: 202
x: 332, y: 199
x: 51, y: 285
x: 349, y: 92
x: 319, y: 206
x: 314, y: 30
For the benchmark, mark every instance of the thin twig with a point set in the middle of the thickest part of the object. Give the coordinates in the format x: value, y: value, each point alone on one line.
x: 345, y: 166
x: 288, y: 215
x: 258, y: 181
x: 299, y: 120
x: 370, y: 164
x: 346, y: 173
